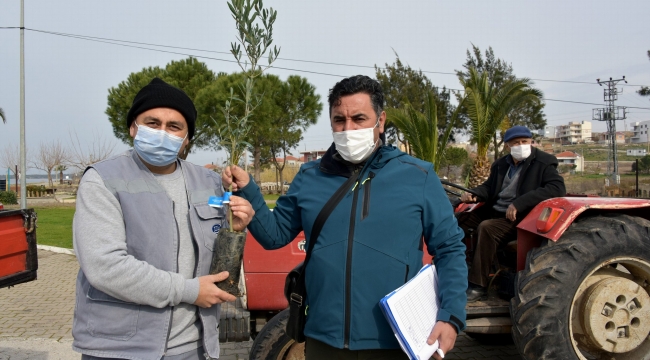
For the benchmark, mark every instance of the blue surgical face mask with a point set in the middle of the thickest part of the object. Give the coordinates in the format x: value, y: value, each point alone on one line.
x: 157, y: 147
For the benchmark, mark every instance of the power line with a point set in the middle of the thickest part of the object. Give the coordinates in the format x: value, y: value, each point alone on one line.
x: 119, y: 43
x: 566, y: 114
x: 113, y: 42
x: 91, y: 38
x: 203, y: 50
x: 573, y: 102
x: 217, y: 52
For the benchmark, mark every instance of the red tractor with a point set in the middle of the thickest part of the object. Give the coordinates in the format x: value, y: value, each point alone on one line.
x: 579, y: 285
x: 18, y: 260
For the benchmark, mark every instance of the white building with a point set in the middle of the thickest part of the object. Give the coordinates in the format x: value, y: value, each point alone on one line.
x: 605, y: 138
x: 570, y: 158
x: 575, y: 132
x: 464, y: 145
x: 548, y: 132
x: 640, y: 130
x: 636, y: 152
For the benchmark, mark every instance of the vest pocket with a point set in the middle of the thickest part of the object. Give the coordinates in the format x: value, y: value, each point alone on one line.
x: 211, y: 220
x: 111, y: 318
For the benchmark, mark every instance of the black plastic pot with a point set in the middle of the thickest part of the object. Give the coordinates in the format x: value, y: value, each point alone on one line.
x: 228, y: 255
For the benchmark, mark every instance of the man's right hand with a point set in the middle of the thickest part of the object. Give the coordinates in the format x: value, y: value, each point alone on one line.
x: 234, y: 175
x: 209, y: 293
x: 467, y: 198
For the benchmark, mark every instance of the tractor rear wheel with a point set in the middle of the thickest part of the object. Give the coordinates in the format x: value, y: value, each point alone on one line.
x: 272, y: 343
x: 586, y: 296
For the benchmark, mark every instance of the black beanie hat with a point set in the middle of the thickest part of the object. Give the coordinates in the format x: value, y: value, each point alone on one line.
x: 160, y: 94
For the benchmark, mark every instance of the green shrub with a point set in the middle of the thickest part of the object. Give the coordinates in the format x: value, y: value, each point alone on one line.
x: 565, y: 168
x: 8, y: 197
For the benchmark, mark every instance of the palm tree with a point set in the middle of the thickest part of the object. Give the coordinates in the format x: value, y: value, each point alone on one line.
x: 61, y: 168
x: 487, y: 107
x: 421, y: 131
x: 2, y: 115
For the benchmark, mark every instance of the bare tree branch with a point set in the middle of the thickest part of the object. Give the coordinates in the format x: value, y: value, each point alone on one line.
x: 10, y: 157
x: 99, y: 149
x: 49, y: 156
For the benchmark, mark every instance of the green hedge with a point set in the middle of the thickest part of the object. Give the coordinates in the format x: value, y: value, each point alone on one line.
x: 8, y: 197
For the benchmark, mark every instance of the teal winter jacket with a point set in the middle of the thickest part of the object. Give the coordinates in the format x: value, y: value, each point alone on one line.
x: 370, y: 245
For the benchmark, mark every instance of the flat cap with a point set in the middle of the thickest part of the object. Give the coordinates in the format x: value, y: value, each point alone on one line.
x: 517, y: 132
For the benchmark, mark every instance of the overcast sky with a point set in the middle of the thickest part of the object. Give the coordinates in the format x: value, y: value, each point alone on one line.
x: 67, y: 79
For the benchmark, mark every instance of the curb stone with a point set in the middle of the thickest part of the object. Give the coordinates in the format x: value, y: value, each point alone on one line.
x: 55, y: 249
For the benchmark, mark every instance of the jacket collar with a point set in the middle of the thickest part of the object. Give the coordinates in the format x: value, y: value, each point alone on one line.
x: 332, y: 163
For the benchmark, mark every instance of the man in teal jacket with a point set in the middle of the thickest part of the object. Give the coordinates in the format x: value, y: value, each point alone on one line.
x: 372, y: 242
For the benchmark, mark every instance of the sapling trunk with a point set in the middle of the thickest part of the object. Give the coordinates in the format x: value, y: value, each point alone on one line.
x: 229, y: 246
x: 230, y: 212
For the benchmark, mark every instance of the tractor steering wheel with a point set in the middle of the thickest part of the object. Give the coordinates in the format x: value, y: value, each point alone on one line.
x: 445, y: 182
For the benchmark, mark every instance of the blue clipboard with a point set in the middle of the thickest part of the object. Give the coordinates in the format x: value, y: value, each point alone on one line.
x: 385, y: 308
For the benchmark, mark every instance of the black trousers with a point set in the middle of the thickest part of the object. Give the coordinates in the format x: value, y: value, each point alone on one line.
x: 492, y: 231
x: 316, y: 350
x: 196, y: 354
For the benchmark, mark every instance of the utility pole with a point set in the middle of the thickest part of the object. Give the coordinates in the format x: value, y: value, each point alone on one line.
x: 637, y: 177
x: 23, y: 159
x: 610, y: 113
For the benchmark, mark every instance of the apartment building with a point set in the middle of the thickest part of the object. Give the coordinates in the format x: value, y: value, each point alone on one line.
x: 548, y: 132
x: 575, y: 132
x: 605, y: 138
x: 640, y: 130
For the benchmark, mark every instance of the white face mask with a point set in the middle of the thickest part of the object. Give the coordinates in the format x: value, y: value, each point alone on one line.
x: 520, y: 152
x: 355, y: 146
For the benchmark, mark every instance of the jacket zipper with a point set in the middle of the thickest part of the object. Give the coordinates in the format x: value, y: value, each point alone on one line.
x: 406, y: 276
x: 178, y: 249
x: 366, y: 195
x: 348, y: 267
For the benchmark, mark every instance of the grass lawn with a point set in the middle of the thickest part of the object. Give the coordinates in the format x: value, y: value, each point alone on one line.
x: 55, y: 223
x: 55, y: 226
x: 271, y: 196
x: 270, y: 200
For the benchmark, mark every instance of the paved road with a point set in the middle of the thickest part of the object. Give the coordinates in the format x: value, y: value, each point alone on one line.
x: 36, y: 320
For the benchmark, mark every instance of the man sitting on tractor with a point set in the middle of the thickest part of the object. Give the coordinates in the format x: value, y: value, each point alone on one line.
x: 517, y: 183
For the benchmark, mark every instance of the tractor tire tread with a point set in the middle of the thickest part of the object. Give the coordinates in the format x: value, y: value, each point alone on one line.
x: 545, y: 288
x: 272, y: 339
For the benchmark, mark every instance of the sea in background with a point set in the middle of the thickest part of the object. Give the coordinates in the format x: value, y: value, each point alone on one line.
x: 37, y: 179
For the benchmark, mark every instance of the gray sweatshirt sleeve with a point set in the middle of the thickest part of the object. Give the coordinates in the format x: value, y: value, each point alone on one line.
x: 99, y: 240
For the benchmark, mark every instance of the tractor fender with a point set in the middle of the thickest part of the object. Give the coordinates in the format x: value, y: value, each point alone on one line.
x: 531, y: 232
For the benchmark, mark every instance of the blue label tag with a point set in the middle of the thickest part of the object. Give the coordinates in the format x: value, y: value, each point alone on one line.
x: 216, y: 228
x: 219, y: 201
x: 215, y: 201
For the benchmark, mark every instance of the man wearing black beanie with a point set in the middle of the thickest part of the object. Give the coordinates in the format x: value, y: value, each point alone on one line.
x: 160, y: 94
x: 144, y: 237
